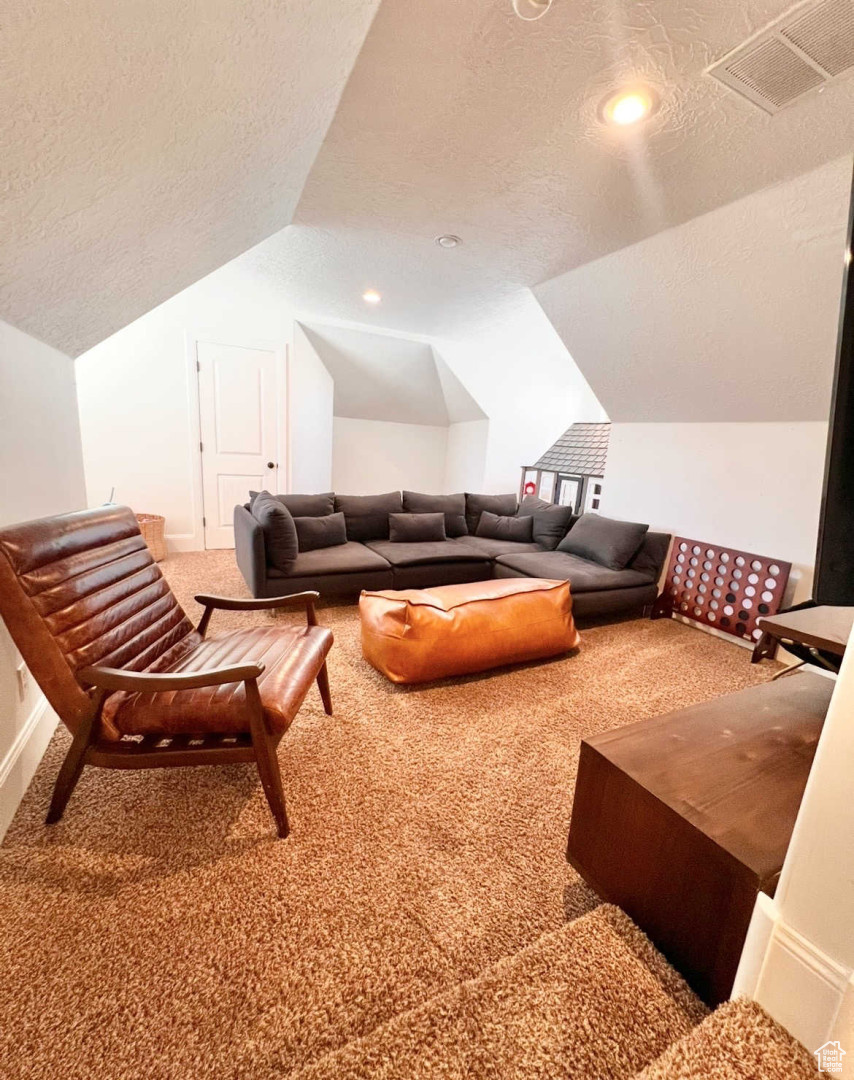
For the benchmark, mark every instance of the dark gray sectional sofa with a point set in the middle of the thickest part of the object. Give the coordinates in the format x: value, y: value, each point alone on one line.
x: 370, y: 559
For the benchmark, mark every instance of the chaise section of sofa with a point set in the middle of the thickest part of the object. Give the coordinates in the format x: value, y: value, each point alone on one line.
x: 596, y: 590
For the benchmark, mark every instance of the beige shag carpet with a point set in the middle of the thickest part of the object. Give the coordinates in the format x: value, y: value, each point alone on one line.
x: 160, y: 931
x: 739, y: 1041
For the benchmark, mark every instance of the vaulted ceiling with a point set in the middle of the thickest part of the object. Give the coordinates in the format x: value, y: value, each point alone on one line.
x: 144, y: 145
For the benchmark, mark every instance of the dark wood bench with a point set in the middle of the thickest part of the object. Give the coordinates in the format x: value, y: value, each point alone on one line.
x: 683, y: 819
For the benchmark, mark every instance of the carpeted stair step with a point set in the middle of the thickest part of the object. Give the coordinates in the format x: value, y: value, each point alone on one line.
x: 739, y: 1041
x: 591, y: 1000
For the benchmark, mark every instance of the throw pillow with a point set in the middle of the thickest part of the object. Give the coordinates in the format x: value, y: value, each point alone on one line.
x: 530, y: 504
x: 551, y: 521
x: 367, y: 515
x: 452, y: 506
x: 280, y: 534
x: 603, y: 540
x: 416, y: 528
x: 330, y: 530
x: 496, y: 527
x: 502, y: 505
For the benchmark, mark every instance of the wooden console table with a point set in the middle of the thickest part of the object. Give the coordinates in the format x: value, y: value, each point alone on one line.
x: 683, y: 819
x: 806, y: 633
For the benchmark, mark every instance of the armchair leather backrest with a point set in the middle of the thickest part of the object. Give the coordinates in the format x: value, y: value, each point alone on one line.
x: 81, y: 589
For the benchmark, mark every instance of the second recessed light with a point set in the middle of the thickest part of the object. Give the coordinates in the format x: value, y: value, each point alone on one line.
x: 629, y: 107
x: 371, y: 296
x: 448, y: 240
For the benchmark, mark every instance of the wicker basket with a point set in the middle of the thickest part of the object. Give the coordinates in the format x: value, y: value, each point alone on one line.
x: 153, y: 527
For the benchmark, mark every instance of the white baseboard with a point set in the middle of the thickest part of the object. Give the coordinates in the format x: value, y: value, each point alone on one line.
x: 22, y: 759
x: 804, y: 989
x: 184, y: 542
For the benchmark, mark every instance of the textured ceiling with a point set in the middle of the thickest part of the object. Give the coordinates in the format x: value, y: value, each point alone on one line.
x: 383, y: 377
x: 144, y: 144
x: 460, y: 118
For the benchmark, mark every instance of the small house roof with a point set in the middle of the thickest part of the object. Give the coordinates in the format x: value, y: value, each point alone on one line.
x: 582, y: 451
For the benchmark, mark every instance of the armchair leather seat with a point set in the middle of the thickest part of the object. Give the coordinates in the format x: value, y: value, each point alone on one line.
x: 291, y: 656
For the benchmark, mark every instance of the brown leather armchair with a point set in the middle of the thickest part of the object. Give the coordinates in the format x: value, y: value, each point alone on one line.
x: 119, y: 661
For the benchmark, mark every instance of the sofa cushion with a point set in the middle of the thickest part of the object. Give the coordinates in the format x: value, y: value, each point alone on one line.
x: 304, y: 505
x: 280, y: 534
x: 452, y: 506
x: 603, y: 540
x: 349, y: 558
x: 320, y: 532
x: 551, y: 521
x: 582, y: 574
x: 435, y: 552
x: 367, y: 515
x: 496, y: 504
x: 490, y: 548
x: 530, y: 504
x: 498, y: 527
x: 416, y: 528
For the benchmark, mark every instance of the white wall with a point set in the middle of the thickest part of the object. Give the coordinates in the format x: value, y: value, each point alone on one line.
x: 310, y: 398
x: 754, y: 486
x: 373, y: 456
x: 466, y: 457
x: 520, y: 373
x: 798, y: 960
x: 731, y: 316
x: 134, y: 395
x: 41, y: 473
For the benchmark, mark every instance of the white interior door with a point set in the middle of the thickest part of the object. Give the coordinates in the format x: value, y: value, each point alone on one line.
x: 238, y: 406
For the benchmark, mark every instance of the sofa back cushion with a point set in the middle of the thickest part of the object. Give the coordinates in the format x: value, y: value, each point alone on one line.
x: 452, y: 506
x: 503, y: 527
x: 604, y: 540
x: 328, y: 530
x: 551, y: 521
x: 303, y: 505
x: 367, y: 515
x: 416, y: 528
x: 502, y: 505
x: 281, y: 546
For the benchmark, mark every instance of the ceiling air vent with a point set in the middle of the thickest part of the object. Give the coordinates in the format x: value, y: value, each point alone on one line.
x: 809, y: 46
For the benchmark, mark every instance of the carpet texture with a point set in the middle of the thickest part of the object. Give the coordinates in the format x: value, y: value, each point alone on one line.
x: 593, y: 999
x: 160, y: 930
x: 739, y: 1041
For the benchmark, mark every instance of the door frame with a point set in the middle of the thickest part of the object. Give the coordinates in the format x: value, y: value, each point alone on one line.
x: 195, y: 541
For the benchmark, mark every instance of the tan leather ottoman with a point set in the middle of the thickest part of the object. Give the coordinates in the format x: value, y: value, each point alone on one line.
x: 416, y: 635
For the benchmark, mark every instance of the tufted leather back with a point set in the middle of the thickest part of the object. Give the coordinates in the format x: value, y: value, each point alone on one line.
x: 81, y: 589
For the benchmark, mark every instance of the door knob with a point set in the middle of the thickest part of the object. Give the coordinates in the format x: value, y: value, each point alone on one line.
x: 271, y: 465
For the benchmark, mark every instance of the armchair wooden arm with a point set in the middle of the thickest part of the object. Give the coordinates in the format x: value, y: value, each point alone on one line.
x: 234, y: 603
x: 117, y: 679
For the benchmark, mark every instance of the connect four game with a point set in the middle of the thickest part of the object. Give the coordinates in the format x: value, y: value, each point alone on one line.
x: 721, y: 587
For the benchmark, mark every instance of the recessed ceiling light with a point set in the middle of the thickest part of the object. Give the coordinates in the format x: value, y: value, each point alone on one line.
x: 629, y: 106
x: 371, y: 296
x: 448, y: 240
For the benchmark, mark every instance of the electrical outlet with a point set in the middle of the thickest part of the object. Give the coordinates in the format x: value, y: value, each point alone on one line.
x: 23, y: 674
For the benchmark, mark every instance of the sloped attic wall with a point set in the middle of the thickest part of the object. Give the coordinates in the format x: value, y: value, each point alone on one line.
x: 712, y: 346
x: 402, y: 418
